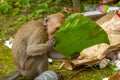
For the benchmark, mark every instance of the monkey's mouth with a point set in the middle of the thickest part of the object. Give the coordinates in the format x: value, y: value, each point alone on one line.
x: 50, y: 36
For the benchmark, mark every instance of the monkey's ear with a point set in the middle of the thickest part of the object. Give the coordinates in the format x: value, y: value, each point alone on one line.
x: 45, y: 21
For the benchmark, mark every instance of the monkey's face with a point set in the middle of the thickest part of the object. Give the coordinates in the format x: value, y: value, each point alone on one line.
x: 53, y: 23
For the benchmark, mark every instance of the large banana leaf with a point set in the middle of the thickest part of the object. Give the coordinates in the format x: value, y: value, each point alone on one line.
x: 77, y: 33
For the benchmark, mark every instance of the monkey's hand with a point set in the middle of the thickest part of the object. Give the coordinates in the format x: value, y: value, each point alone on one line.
x: 51, y: 42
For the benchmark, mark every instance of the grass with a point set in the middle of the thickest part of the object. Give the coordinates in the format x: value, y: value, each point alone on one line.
x: 6, y: 63
x: 82, y: 73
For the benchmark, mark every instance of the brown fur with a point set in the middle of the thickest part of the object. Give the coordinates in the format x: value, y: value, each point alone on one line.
x: 31, y: 45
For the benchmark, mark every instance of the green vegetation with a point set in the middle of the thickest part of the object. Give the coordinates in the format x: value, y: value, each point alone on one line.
x: 6, y: 63
x: 15, y: 13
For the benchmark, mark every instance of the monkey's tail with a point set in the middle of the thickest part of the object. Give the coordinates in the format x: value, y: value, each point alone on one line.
x: 14, y: 76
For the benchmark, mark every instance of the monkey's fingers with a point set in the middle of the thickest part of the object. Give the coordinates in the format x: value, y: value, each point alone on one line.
x: 52, y: 42
x: 75, y: 55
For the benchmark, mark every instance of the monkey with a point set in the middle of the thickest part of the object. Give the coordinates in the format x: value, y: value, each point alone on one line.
x: 31, y: 46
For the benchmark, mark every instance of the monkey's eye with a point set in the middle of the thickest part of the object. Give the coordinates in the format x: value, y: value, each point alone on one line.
x: 58, y: 25
x: 52, y: 33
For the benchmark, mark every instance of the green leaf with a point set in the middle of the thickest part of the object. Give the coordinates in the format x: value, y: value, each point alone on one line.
x: 78, y: 33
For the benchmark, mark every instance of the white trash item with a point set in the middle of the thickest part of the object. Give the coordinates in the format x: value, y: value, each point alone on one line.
x: 47, y: 75
x: 105, y: 78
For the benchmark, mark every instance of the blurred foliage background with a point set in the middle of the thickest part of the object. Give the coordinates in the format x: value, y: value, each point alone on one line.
x: 15, y: 13
x: 19, y: 12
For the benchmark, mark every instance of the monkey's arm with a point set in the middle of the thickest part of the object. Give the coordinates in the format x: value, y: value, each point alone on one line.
x: 36, y: 44
x: 55, y: 54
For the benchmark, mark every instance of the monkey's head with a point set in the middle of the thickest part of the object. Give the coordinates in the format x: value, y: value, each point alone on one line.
x: 53, y: 23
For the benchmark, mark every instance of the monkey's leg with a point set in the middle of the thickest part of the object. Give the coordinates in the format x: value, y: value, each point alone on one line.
x: 35, y: 65
x: 14, y: 76
x: 55, y: 55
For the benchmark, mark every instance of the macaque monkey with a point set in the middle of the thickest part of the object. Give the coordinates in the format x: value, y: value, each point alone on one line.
x: 31, y: 44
